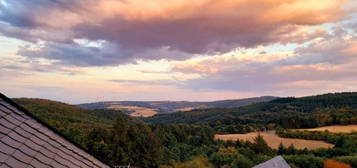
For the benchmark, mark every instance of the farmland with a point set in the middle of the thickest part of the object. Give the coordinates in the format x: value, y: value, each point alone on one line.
x: 334, y: 128
x: 274, y: 140
x: 136, y: 111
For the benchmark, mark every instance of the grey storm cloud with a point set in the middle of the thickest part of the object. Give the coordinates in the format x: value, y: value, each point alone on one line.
x: 136, y: 29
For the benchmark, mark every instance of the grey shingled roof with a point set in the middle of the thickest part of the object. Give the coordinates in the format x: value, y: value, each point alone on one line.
x: 277, y: 162
x: 27, y: 142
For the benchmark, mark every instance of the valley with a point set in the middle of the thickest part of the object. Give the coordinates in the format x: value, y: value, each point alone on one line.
x: 168, y: 139
x: 150, y: 108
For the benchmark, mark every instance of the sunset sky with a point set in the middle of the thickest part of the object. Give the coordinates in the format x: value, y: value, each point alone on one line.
x: 97, y: 50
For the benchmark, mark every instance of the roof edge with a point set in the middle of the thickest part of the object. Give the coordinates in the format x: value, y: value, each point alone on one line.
x: 11, y: 102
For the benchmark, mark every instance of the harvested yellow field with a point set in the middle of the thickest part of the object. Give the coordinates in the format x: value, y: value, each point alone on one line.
x: 274, y: 140
x: 334, y: 128
x: 138, y: 111
x: 185, y: 109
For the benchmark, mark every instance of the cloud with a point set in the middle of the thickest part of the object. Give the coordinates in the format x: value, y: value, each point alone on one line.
x: 194, y: 67
x: 336, y: 48
x: 13, y: 66
x: 6, y: 74
x: 332, y: 58
x: 75, y: 54
x: 180, y: 49
x: 29, y: 69
x: 146, y: 82
x: 181, y: 28
x: 35, y: 35
x: 268, y: 78
x: 106, y: 54
x: 298, y: 34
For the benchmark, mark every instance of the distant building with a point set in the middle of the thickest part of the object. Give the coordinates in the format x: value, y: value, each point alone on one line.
x: 25, y: 141
x: 277, y: 162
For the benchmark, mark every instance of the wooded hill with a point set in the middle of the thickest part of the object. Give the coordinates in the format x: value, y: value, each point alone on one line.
x: 162, y: 107
x: 72, y: 121
x: 304, y: 112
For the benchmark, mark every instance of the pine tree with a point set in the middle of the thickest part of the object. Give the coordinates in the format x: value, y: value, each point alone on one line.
x: 281, y: 149
x: 260, y: 145
x: 291, y: 150
x: 340, y: 142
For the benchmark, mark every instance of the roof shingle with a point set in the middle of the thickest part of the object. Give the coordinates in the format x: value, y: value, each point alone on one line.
x: 27, y: 142
x: 276, y: 162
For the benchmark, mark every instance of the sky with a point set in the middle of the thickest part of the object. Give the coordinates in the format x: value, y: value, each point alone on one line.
x: 79, y: 51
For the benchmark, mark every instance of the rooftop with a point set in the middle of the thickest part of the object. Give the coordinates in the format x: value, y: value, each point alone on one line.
x: 276, y: 162
x: 25, y: 141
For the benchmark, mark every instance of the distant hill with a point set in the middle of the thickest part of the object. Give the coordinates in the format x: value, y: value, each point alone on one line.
x: 136, y: 108
x: 304, y: 112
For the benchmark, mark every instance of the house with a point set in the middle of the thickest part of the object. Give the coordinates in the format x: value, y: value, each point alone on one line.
x: 276, y: 162
x: 25, y: 141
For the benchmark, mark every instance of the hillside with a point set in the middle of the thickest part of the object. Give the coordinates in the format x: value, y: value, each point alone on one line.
x: 161, y: 107
x: 156, y: 145
x: 304, y: 112
x: 69, y: 119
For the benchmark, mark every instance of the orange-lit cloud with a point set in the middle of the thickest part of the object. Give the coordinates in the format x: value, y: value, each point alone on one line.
x: 182, y: 25
x: 178, y: 49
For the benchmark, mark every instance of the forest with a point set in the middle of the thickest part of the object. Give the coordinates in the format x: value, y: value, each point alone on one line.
x: 187, y: 139
x: 305, y: 112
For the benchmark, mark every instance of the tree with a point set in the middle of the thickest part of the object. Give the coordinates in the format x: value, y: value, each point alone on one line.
x: 230, y: 157
x: 304, y: 161
x: 120, y: 143
x: 340, y: 142
x: 241, y: 162
x: 197, y: 162
x: 260, y: 145
x: 260, y: 158
x: 281, y: 149
x: 96, y: 143
x: 291, y: 150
